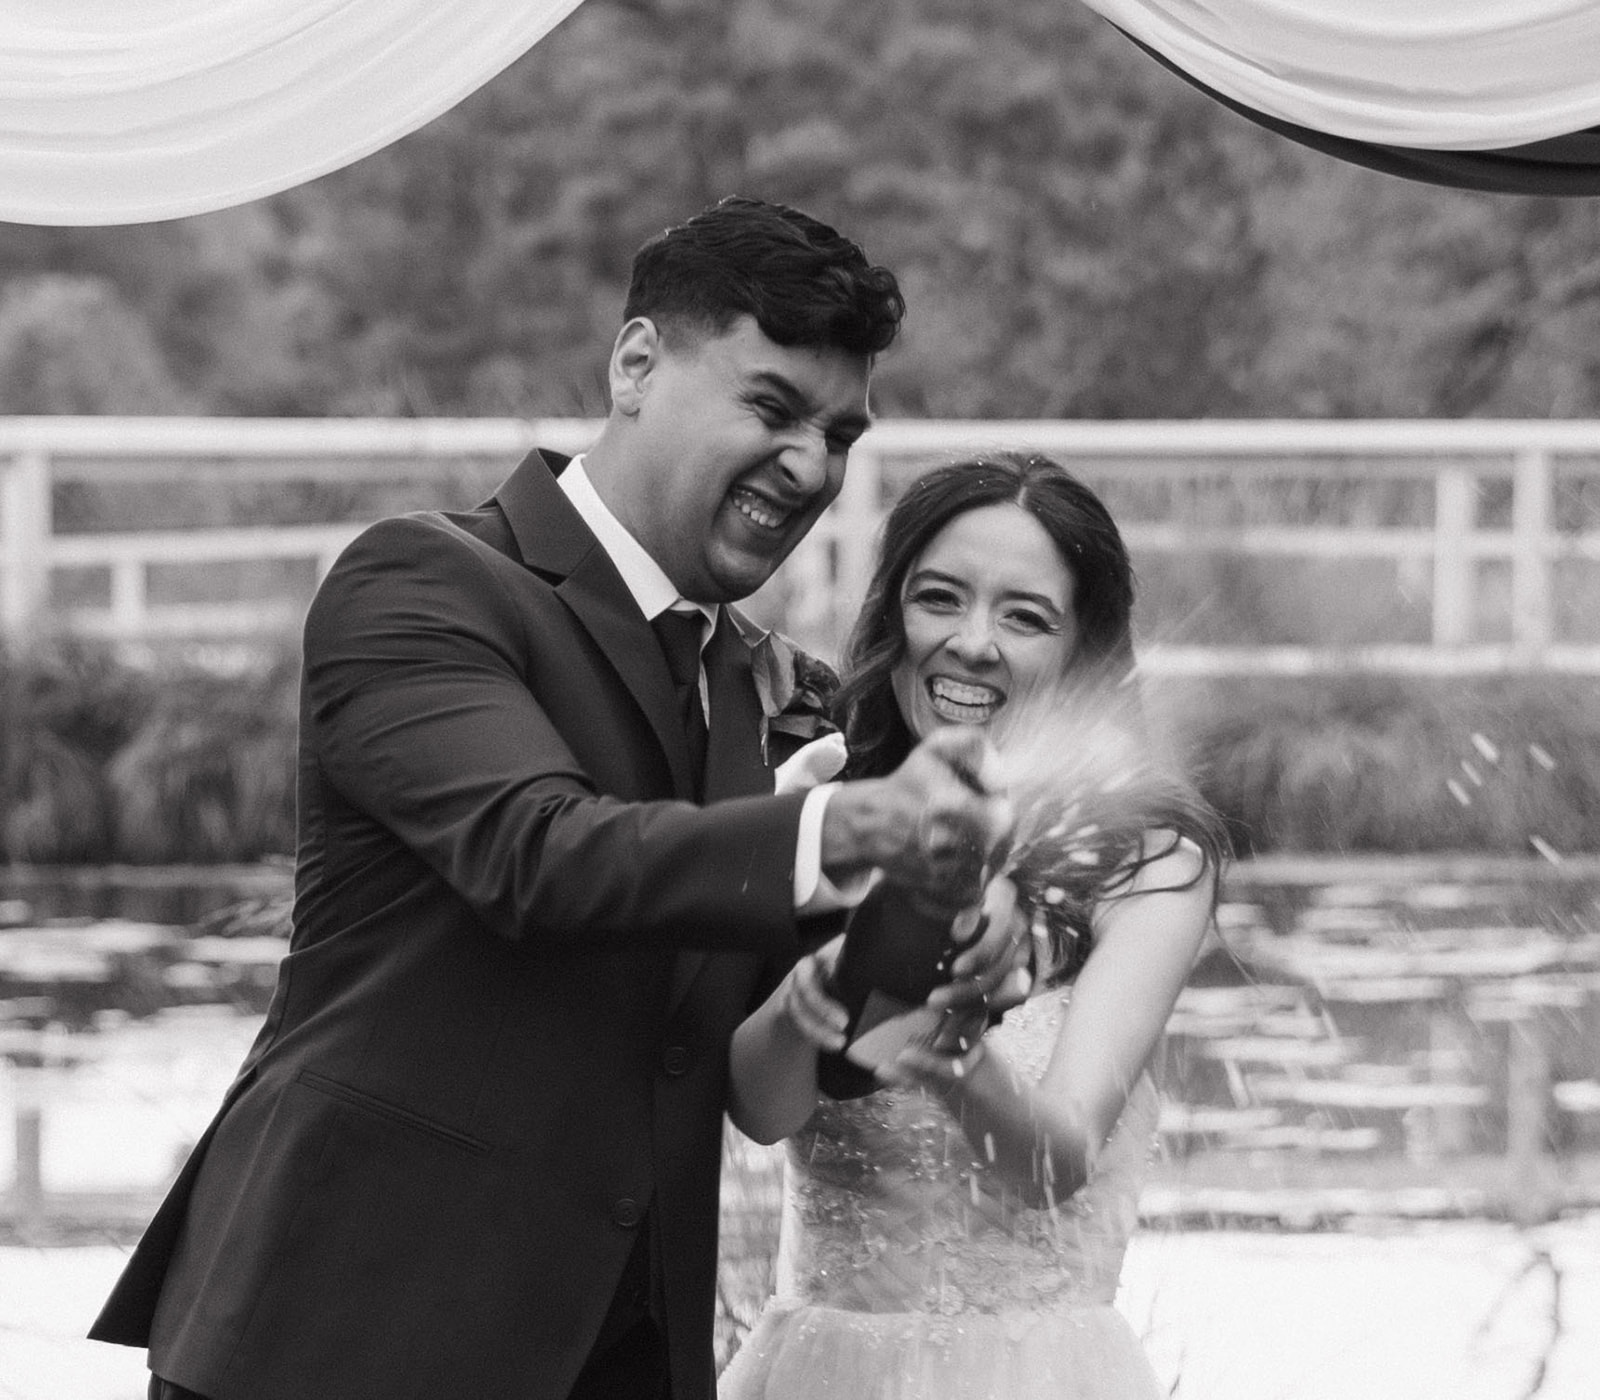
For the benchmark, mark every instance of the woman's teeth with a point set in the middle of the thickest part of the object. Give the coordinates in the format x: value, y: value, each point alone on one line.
x: 963, y: 703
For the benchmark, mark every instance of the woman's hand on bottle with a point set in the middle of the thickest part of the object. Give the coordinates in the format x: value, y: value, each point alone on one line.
x: 806, y: 1002
x: 948, y: 1060
x: 994, y: 970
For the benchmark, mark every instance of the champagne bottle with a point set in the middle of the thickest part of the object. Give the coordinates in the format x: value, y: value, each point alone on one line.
x: 898, y: 947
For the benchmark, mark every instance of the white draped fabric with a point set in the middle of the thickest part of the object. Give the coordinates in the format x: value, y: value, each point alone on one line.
x: 1448, y: 75
x: 123, y: 111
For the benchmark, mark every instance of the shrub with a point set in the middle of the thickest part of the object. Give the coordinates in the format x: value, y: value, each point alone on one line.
x: 68, y: 709
x: 104, y: 759
x: 1362, y: 763
x: 209, y: 775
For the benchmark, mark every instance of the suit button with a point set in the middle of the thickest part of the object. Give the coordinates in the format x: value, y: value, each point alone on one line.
x: 676, y: 1059
x: 626, y: 1212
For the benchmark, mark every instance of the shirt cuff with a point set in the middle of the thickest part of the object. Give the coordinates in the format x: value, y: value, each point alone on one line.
x: 814, y: 892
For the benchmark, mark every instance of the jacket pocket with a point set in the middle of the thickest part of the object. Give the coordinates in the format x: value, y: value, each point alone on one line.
x: 382, y: 1108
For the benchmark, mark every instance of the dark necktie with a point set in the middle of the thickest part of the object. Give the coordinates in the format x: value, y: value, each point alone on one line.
x: 680, y: 634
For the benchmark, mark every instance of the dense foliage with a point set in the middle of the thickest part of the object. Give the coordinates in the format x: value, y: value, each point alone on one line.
x: 107, y: 761
x: 1080, y: 234
x: 1362, y: 763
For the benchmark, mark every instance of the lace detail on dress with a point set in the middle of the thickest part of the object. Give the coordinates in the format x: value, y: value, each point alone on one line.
x: 888, y: 1209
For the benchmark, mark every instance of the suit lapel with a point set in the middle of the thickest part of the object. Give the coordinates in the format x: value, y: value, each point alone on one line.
x: 555, y: 541
x: 621, y: 632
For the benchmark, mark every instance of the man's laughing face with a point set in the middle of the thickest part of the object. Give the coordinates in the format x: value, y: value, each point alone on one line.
x: 748, y: 441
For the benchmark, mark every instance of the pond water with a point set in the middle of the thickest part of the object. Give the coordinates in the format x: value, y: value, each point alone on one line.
x: 138, y: 993
x: 176, y: 895
x: 1347, y: 1012
x: 1394, y: 901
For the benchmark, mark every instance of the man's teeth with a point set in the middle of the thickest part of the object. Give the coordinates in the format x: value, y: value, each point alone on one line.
x: 957, y: 700
x: 761, y: 512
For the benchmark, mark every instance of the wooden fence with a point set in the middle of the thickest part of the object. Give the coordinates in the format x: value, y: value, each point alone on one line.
x: 1462, y: 546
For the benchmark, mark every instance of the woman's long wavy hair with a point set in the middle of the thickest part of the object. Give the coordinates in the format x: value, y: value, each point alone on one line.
x: 1102, y: 663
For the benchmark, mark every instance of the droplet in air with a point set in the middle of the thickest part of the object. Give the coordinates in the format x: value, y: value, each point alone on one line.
x: 1544, y: 848
x: 1458, y: 792
x: 1541, y: 756
x: 1485, y: 746
x: 1472, y: 773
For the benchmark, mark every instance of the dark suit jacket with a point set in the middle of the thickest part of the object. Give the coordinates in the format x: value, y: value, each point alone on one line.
x: 500, y: 1033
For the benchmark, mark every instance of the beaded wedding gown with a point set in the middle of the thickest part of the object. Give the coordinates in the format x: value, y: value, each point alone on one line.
x: 905, y: 1273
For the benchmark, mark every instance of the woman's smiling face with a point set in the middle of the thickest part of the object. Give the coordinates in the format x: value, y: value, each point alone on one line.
x: 987, y: 610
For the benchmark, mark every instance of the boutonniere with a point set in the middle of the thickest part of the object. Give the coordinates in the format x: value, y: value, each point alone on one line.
x: 795, y: 690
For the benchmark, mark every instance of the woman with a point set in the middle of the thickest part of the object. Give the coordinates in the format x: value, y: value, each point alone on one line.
x: 959, y: 1233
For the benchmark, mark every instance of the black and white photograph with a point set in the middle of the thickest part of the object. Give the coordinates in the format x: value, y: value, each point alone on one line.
x: 799, y: 700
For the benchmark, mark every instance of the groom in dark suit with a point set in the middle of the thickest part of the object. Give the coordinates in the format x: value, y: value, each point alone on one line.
x: 475, y: 1150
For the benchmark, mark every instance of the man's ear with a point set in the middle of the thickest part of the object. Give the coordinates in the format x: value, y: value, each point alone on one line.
x: 634, y: 357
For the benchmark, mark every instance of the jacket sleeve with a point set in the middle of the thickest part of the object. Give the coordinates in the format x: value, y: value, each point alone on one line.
x: 422, y: 718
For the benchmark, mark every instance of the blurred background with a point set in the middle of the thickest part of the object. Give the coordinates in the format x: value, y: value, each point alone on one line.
x: 1347, y: 422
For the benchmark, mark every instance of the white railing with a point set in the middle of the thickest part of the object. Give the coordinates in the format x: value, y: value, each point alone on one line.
x: 1490, y: 523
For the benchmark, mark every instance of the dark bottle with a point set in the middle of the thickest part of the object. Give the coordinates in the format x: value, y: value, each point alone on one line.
x: 897, y: 948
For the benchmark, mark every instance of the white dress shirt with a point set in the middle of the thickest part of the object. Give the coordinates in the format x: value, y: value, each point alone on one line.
x: 655, y: 594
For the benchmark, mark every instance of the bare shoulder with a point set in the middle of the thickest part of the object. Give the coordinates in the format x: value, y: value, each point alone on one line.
x: 1168, y: 860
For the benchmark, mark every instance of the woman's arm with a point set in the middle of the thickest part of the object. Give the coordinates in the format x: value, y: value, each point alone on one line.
x: 772, y: 1061
x: 1042, y: 1138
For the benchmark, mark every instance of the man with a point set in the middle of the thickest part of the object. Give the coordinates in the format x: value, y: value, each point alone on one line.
x: 475, y: 1149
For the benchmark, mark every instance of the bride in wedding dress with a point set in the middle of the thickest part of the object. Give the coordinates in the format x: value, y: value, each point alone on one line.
x: 956, y: 1231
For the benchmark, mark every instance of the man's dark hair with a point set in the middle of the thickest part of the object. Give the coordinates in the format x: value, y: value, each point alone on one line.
x: 804, y: 283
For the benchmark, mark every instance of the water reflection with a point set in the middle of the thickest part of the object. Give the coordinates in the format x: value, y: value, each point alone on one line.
x: 178, y: 896
x: 1391, y: 1042
x: 1356, y: 1031
x: 127, y: 999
